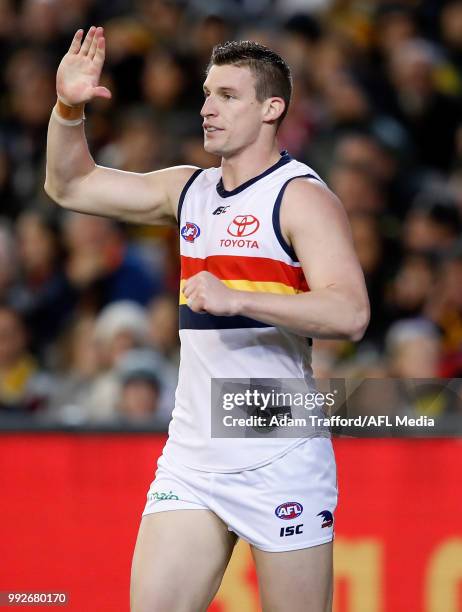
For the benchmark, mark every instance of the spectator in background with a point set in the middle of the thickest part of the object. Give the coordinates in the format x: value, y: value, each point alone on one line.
x: 163, y: 17
x: 7, y: 196
x: 301, y: 35
x: 430, y: 116
x: 138, y: 146
x: 163, y: 327
x: 212, y: 26
x: 444, y: 307
x: 8, y: 261
x: 39, y: 23
x: 45, y: 298
x: 139, y: 375
x: 412, y: 286
x: 394, y: 24
x: 451, y: 35
x: 128, y: 41
x: 433, y: 223
x: 31, y: 91
x: 359, y: 190
x: 170, y: 92
x: 345, y: 107
x: 413, y: 349
x: 23, y: 388
x: 76, y: 361
x: 101, y: 266
x: 120, y: 328
x: 370, y: 247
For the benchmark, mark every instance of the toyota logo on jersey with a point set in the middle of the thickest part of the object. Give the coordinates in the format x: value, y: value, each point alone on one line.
x: 289, y: 510
x: 243, y: 225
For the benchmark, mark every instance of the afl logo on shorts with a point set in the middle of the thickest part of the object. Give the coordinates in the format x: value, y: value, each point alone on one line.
x: 190, y: 231
x: 288, y: 510
x: 243, y: 225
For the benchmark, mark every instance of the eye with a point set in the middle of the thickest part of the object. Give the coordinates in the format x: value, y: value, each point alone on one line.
x: 227, y: 96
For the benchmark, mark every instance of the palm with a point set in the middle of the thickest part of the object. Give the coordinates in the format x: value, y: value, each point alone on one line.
x: 78, y: 75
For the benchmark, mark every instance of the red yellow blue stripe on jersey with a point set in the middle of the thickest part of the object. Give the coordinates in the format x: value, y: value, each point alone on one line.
x: 257, y: 274
x: 254, y: 269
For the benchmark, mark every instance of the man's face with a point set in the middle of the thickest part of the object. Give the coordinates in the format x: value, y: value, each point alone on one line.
x: 233, y: 117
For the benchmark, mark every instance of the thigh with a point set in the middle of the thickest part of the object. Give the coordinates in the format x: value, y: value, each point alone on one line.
x: 179, y: 560
x: 302, y: 577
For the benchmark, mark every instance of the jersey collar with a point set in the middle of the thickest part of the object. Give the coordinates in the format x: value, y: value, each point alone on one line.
x: 285, y: 159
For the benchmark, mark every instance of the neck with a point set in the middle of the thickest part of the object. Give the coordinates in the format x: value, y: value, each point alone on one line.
x: 248, y: 163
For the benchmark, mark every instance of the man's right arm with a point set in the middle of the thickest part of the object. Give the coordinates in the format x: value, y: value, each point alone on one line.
x: 73, y: 179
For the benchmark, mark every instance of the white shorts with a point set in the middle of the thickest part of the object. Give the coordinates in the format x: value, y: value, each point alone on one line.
x: 285, y: 505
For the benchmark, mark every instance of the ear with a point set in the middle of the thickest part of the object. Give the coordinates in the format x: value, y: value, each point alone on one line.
x: 273, y: 109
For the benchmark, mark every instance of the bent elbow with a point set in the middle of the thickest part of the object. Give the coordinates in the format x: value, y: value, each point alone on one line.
x: 54, y: 193
x: 48, y: 189
x: 361, y: 321
x: 51, y: 191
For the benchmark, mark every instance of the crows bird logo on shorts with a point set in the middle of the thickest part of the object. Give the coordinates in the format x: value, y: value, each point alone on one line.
x: 288, y: 510
x: 190, y: 231
x: 328, y: 519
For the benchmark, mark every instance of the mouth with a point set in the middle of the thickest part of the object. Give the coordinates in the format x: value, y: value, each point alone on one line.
x: 211, y: 129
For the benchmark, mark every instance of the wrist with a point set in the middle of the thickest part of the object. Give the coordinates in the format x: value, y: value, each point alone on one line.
x: 239, y: 302
x: 69, y: 112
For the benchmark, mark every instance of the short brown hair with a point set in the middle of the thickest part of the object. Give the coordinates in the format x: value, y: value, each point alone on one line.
x: 272, y: 74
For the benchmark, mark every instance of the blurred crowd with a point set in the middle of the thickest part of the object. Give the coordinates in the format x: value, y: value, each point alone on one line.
x: 88, y: 308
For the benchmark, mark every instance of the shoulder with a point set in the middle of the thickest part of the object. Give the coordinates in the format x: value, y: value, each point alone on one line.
x: 309, y: 196
x: 309, y: 208
x: 176, y: 181
x: 182, y: 177
x: 178, y: 176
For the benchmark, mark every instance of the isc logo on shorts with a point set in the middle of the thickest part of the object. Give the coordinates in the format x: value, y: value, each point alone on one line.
x: 290, y: 530
x: 288, y: 510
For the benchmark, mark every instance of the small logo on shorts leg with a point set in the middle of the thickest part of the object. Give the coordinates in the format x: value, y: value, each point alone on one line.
x: 161, y: 495
x: 290, y: 530
x: 288, y: 510
x: 328, y: 519
x: 190, y: 231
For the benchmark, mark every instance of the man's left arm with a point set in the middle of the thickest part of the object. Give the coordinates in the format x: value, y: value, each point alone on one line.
x: 314, y: 222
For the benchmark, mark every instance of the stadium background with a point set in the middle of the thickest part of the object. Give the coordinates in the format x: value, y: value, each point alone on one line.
x: 88, y: 340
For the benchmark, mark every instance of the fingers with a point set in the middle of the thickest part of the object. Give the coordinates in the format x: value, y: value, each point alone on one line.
x: 100, y: 51
x: 197, y: 304
x: 94, y: 43
x: 75, y: 44
x: 194, y: 296
x: 102, y: 92
x: 186, y: 289
x: 88, y: 40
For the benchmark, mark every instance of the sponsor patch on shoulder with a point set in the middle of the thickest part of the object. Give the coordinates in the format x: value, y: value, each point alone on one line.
x: 190, y: 231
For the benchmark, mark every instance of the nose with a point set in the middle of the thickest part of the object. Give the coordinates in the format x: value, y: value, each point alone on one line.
x: 208, y: 108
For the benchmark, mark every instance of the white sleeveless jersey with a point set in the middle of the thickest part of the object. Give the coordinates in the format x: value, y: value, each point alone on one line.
x: 236, y: 236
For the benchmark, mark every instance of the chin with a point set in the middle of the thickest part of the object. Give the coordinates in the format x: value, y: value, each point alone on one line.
x: 213, y: 149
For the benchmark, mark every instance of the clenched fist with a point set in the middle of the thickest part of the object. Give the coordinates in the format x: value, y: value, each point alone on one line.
x: 206, y: 293
x: 77, y: 79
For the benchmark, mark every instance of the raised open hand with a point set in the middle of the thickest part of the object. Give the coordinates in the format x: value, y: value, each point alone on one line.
x: 77, y: 79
